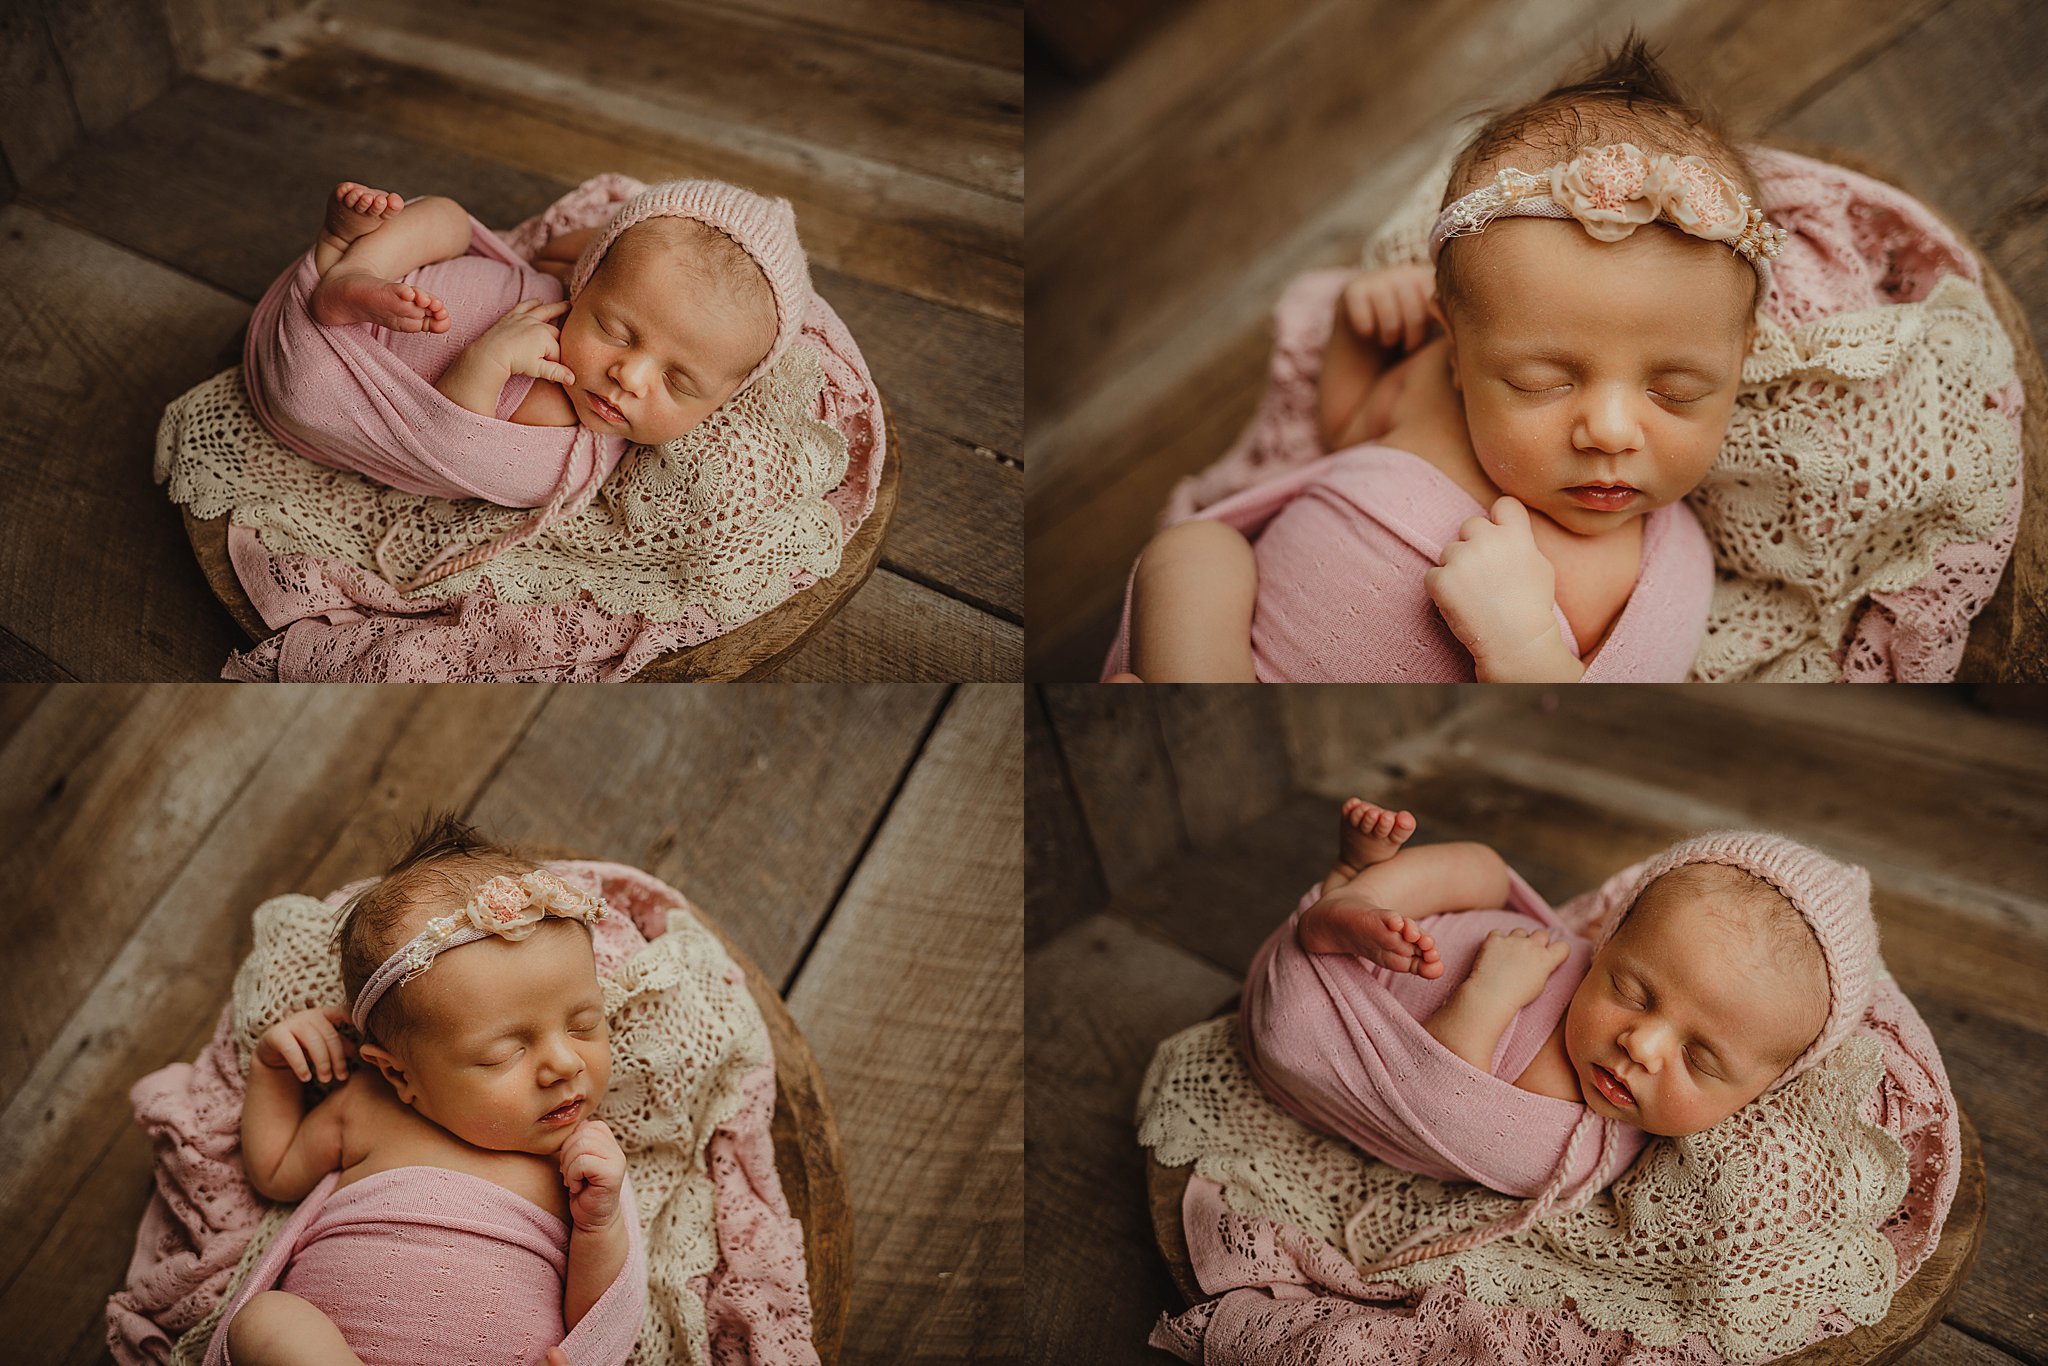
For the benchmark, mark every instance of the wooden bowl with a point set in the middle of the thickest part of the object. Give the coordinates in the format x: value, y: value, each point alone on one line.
x: 747, y: 651
x: 1916, y: 1308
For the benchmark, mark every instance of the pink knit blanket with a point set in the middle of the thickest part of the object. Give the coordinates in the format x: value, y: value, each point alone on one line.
x: 1342, y: 545
x: 203, y: 1212
x: 1855, y: 243
x: 362, y: 397
x: 1339, y: 1042
x: 1279, y: 1294
x: 422, y: 1264
x: 369, y: 405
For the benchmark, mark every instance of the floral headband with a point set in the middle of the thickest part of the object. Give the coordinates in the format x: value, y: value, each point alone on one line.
x: 1614, y: 190
x: 508, y: 907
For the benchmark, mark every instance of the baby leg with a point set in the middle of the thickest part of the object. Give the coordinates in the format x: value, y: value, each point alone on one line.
x: 1374, y: 913
x: 371, y: 240
x: 280, y: 1329
x: 1191, y: 606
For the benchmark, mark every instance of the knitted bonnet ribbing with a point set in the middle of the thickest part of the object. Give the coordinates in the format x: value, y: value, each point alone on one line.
x: 764, y: 228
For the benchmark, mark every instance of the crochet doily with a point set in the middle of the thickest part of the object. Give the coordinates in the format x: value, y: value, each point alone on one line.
x: 1746, y: 1232
x: 1863, y: 445
x: 685, y: 1033
x: 719, y: 526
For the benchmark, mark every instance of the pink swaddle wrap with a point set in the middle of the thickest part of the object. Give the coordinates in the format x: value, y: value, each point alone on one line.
x: 362, y: 397
x: 422, y: 1264
x: 1342, y: 545
x: 1339, y: 1042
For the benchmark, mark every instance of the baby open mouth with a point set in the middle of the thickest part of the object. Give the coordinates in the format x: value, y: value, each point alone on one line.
x: 564, y: 1112
x: 1611, y: 1087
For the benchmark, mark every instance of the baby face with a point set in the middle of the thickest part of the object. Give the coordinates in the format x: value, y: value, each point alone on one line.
x: 1682, y: 1019
x: 656, y: 346
x: 1598, y: 377
x: 509, y: 1048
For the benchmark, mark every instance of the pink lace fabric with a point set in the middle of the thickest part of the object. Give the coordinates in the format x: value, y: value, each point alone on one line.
x: 203, y: 1216
x: 340, y: 622
x: 1281, y: 1295
x: 1853, y: 243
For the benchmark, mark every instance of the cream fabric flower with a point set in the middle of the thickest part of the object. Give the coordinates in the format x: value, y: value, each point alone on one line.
x: 505, y: 907
x: 1697, y: 198
x: 1604, y: 190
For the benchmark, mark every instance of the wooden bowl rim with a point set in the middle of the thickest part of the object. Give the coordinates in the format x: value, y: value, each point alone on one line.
x: 744, y: 652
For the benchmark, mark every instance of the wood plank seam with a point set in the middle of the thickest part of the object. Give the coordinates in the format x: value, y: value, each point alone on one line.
x: 959, y: 595
x: 867, y: 839
x: 849, y: 36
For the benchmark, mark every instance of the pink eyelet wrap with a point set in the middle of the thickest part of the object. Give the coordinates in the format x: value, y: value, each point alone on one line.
x: 764, y: 228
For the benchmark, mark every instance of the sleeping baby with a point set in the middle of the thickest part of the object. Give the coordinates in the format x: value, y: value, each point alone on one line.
x: 1408, y: 1005
x: 412, y: 346
x: 1515, y: 424
x: 470, y: 1139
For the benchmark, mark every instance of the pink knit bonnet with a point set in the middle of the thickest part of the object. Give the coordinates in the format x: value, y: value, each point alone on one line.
x: 1833, y: 897
x: 764, y: 228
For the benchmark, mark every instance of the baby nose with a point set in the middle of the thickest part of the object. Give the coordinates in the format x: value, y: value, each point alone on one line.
x: 558, y: 1060
x: 1647, y: 1044
x: 1608, y: 422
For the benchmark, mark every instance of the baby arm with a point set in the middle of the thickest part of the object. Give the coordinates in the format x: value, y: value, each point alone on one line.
x: 1498, y: 595
x: 1509, y: 973
x: 594, y: 1170
x: 1380, y: 314
x: 1191, y: 606
x: 286, y: 1148
x: 523, y: 342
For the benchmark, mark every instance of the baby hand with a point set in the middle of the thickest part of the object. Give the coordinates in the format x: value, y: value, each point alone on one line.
x: 308, y: 1045
x: 1514, y: 964
x: 525, y: 342
x: 1390, y: 306
x: 1496, y: 592
x: 594, y: 1170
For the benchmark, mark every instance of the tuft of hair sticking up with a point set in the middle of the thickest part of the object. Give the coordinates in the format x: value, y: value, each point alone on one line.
x: 1623, y: 95
x: 444, y: 862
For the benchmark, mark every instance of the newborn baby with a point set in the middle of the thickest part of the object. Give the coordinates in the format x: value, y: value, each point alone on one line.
x: 1566, y: 367
x: 476, y: 996
x: 1402, y: 1009
x: 676, y: 318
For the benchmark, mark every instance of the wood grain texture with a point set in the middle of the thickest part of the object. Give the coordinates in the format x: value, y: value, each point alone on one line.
x: 117, y: 57
x: 1062, y: 881
x: 899, y: 630
x: 694, y: 784
x: 1122, y: 775
x: 1107, y: 995
x: 913, y: 1001
x: 38, y: 118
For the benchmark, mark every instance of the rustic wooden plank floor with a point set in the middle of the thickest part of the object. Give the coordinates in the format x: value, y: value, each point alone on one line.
x: 861, y: 844
x: 1243, y: 141
x: 894, y: 126
x: 1946, y: 806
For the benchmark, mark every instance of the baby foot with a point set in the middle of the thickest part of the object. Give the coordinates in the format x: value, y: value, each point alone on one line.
x: 1368, y: 834
x: 1396, y: 943
x: 354, y: 296
x: 355, y: 210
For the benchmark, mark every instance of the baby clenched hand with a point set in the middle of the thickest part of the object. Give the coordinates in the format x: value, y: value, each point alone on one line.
x: 1495, y: 589
x: 594, y: 1170
x: 308, y: 1045
x: 1390, y: 306
x: 525, y: 342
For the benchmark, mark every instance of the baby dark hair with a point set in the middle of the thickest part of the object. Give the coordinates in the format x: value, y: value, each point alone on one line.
x: 446, y: 861
x: 1623, y: 96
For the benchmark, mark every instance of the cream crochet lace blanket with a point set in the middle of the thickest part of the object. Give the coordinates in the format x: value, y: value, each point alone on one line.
x: 1746, y: 1233
x: 684, y: 1034
x: 724, y: 521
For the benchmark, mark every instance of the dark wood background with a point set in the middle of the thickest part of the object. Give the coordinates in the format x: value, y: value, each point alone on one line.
x: 165, y: 169
x: 1170, y: 828
x: 1239, y: 142
x: 861, y: 844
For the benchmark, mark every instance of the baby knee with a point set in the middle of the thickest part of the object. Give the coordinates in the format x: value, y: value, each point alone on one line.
x: 1198, y: 541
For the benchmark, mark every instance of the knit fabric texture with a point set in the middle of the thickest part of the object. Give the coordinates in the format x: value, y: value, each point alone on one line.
x: 1868, y: 491
x: 765, y: 228
x: 1832, y: 897
x: 691, y: 1100
x: 1342, y: 546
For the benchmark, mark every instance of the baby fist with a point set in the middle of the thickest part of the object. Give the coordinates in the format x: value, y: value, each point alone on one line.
x: 1496, y: 591
x: 1516, y: 963
x: 594, y: 1170
x: 307, y: 1045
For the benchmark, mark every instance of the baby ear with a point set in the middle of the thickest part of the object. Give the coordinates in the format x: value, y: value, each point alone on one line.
x: 395, y: 1071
